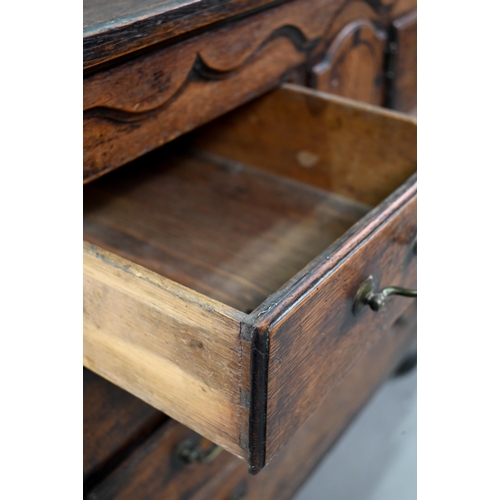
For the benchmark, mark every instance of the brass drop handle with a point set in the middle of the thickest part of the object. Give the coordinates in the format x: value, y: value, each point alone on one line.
x: 190, y: 452
x: 366, y: 295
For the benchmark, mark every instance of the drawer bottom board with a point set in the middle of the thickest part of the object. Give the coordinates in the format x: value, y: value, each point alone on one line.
x: 228, y: 231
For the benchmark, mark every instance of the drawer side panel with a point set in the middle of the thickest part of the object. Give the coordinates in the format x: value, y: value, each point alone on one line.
x: 170, y: 346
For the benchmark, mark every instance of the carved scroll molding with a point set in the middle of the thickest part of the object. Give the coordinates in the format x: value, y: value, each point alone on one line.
x: 202, y: 71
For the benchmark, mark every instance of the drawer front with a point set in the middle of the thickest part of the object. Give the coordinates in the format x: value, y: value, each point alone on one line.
x: 287, y: 471
x: 307, y: 343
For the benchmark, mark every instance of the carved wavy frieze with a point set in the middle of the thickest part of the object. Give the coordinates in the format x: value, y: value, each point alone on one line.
x: 201, y: 71
x: 289, y: 32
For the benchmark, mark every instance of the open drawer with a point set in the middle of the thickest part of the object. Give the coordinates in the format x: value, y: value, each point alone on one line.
x: 221, y: 271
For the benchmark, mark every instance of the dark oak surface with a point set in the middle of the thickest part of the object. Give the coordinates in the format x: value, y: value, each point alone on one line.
x: 403, y: 90
x: 155, y: 471
x: 281, y: 478
x: 203, y: 58
x: 145, y: 101
x: 228, y: 231
x: 323, y: 328
x: 113, y: 421
x: 113, y: 28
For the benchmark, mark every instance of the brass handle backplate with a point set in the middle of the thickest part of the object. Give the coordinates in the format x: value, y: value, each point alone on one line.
x: 366, y: 295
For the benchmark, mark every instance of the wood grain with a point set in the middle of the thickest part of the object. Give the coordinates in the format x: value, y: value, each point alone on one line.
x: 352, y: 149
x: 142, y: 102
x: 233, y: 233
x: 250, y: 238
x: 154, y: 471
x: 113, y: 422
x: 282, y: 477
x: 311, y: 318
x: 155, y: 339
x: 112, y: 29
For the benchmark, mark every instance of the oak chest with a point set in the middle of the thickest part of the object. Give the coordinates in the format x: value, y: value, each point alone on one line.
x: 241, y: 247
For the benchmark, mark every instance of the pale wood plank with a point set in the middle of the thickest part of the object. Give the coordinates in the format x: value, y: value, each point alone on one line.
x: 170, y: 346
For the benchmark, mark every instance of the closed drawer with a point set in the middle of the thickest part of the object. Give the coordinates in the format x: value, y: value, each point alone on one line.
x: 221, y: 272
x: 113, y: 421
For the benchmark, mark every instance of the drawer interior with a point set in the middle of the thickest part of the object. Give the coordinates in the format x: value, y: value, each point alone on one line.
x: 237, y: 208
x: 226, y: 230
